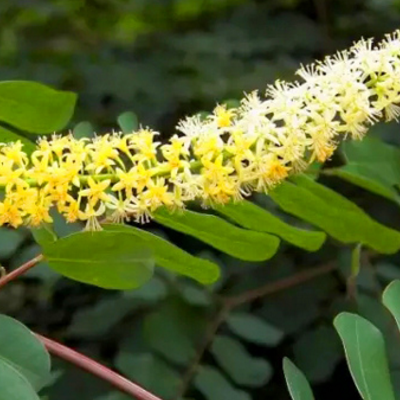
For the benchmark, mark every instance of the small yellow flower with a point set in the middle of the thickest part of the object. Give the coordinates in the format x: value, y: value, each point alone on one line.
x: 96, y: 191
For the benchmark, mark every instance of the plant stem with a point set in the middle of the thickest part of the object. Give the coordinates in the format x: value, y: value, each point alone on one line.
x: 20, y: 270
x: 93, y: 367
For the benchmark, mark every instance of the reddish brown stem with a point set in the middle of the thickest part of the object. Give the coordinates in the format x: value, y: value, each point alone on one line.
x: 93, y: 367
x: 20, y: 270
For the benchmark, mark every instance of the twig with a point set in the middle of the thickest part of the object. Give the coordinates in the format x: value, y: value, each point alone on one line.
x: 208, y: 337
x: 286, y: 283
x: 93, y: 367
x: 20, y: 270
x: 228, y: 303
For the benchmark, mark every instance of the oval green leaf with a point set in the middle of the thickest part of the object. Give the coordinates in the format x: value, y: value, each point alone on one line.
x: 171, y: 257
x: 243, y: 368
x: 128, y: 122
x: 111, y: 260
x: 339, y: 217
x: 253, y: 217
x: 24, y: 352
x: 214, y: 386
x: 366, y: 356
x: 83, y: 129
x: 297, y: 383
x: 237, y: 242
x: 13, y: 385
x: 391, y: 299
x: 254, y: 329
x: 34, y: 107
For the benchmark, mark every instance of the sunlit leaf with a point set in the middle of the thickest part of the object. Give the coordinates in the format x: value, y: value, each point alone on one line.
x: 241, y: 243
x: 170, y: 256
x: 256, y: 218
x: 332, y: 212
x: 34, y: 107
x: 112, y: 260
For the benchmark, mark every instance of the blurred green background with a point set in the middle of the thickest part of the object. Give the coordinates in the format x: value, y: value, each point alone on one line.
x: 163, y: 59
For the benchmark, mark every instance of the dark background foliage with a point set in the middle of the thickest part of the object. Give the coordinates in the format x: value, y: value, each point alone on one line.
x: 163, y: 59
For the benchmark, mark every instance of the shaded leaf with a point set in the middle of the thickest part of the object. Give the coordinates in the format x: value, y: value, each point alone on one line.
x: 34, y: 107
x: 152, y: 291
x: 112, y: 260
x: 150, y: 372
x: 172, y: 257
x: 254, y: 329
x: 237, y: 242
x: 10, y: 240
x: 366, y: 356
x: 256, y: 218
x: 128, y: 122
x: 244, y: 369
x: 23, y: 351
x: 297, y: 383
x: 83, y: 129
x: 317, y: 352
x: 214, y: 386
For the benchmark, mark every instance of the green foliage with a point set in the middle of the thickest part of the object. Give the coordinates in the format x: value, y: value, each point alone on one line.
x: 24, y: 362
x: 339, y: 217
x: 128, y: 122
x: 34, y: 107
x: 111, y: 260
x: 171, y: 257
x: 297, y: 383
x: 243, y: 244
x: 253, y: 217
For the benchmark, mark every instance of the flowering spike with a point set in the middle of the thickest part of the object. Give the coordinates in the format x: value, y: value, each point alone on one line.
x: 222, y: 157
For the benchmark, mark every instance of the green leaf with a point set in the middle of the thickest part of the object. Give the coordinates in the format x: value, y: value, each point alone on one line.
x: 128, y: 122
x: 213, y: 385
x: 371, y: 151
x: 367, y: 177
x: 172, y: 343
x: 34, y: 107
x: 297, y: 383
x: 150, y: 372
x: 317, y: 353
x: 253, y: 217
x: 254, y: 329
x: 330, y: 211
x: 83, y: 129
x: 10, y: 240
x: 97, y: 320
x: 13, y: 385
x: 196, y: 296
x: 6, y: 136
x: 23, y: 351
x: 44, y: 234
x: 244, y: 369
x: 240, y: 243
x: 366, y: 356
x: 172, y: 257
x: 152, y: 291
x: 111, y: 260
x: 391, y: 299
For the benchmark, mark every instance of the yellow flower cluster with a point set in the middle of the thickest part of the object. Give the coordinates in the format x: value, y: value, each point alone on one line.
x: 224, y: 156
